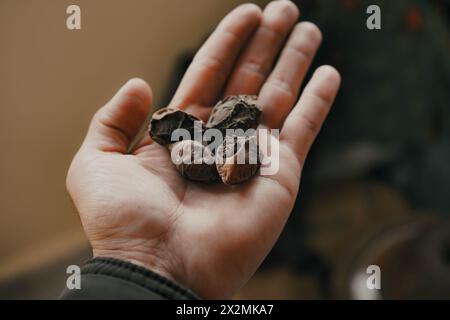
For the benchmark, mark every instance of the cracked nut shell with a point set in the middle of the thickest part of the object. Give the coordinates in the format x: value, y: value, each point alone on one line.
x: 167, y: 120
x: 238, y: 159
x: 235, y: 112
x: 194, y: 161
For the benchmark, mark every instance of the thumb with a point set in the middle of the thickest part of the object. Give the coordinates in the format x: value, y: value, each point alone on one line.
x: 115, y: 125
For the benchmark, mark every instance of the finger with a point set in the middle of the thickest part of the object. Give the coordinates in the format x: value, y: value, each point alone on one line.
x: 116, y: 124
x: 257, y: 60
x: 211, y: 66
x: 305, y: 120
x: 281, y: 89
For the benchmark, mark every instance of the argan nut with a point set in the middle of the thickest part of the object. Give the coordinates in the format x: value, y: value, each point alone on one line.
x: 235, y: 112
x: 238, y: 159
x: 194, y: 161
x: 167, y: 120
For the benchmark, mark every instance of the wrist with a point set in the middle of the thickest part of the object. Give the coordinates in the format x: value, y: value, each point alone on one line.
x: 141, y: 260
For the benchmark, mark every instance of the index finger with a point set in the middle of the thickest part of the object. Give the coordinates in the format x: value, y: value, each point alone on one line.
x: 208, y: 72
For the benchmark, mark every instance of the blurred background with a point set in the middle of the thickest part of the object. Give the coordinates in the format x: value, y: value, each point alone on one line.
x: 375, y: 189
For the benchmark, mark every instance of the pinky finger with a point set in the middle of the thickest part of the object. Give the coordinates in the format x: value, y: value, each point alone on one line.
x: 305, y: 120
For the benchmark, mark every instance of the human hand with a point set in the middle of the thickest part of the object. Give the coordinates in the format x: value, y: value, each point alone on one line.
x: 211, y: 238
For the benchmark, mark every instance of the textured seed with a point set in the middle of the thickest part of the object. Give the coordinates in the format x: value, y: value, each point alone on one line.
x: 235, y: 112
x: 238, y: 159
x: 194, y: 161
x: 166, y: 120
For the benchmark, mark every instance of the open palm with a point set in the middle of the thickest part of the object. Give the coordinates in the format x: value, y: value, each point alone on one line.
x: 209, y: 237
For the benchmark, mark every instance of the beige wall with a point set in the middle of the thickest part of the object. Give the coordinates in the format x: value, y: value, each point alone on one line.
x: 51, y: 82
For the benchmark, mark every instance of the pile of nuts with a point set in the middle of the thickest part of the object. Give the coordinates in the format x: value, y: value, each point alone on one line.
x: 195, y: 159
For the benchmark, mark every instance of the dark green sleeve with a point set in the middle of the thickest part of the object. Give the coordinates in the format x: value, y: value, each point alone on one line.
x: 109, y: 278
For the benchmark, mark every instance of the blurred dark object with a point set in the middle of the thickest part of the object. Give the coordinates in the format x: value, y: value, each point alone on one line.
x: 181, y: 65
x: 395, y: 93
x: 358, y: 159
x: 350, y: 212
x: 414, y: 262
x: 424, y: 177
x: 280, y: 283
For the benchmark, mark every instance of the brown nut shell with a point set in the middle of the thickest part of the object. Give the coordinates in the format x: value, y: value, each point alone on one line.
x: 235, y: 112
x: 166, y: 120
x: 194, y: 161
x: 238, y: 159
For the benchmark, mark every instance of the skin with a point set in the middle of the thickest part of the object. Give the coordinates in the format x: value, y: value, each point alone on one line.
x: 210, y: 238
